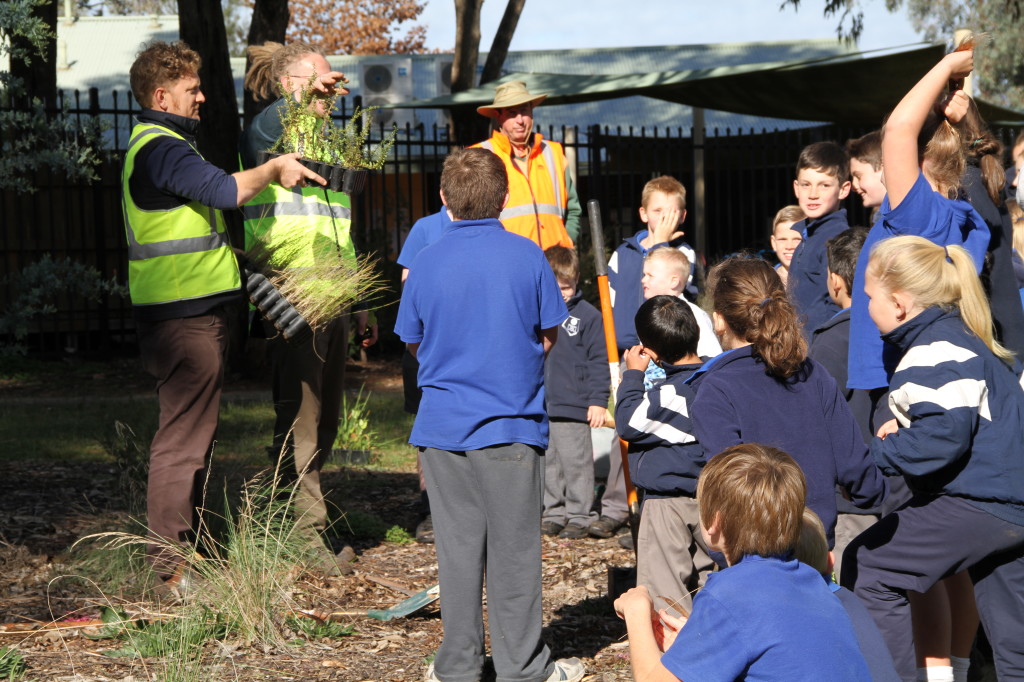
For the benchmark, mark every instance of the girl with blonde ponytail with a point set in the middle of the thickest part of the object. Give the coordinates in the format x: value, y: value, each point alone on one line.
x: 764, y: 389
x: 957, y: 440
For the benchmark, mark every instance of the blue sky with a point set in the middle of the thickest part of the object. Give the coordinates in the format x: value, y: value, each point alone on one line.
x: 553, y: 24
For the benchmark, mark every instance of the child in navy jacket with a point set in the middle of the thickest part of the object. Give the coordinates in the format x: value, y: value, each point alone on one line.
x: 577, y: 384
x: 665, y: 459
x: 956, y: 439
x: 764, y: 389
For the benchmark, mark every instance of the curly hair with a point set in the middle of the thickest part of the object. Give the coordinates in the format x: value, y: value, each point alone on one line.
x: 749, y: 296
x: 159, y: 64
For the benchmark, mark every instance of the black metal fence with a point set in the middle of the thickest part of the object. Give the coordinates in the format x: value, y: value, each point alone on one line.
x: 748, y: 176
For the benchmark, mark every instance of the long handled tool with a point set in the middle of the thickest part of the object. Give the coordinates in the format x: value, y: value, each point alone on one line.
x: 601, y: 268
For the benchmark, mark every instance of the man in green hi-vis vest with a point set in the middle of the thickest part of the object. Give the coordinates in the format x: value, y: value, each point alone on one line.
x: 308, y: 376
x: 182, y: 275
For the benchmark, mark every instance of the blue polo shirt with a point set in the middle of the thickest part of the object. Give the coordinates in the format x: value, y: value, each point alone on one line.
x: 476, y: 301
x: 924, y: 213
x: 424, y: 232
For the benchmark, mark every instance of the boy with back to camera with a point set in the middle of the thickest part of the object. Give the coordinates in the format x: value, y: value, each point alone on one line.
x: 663, y: 210
x: 812, y: 549
x: 866, y: 169
x: 665, y: 459
x: 766, y: 616
x: 830, y: 346
x: 577, y: 384
x: 822, y: 182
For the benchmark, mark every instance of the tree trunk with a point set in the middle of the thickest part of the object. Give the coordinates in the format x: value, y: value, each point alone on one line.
x: 269, y: 22
x: 39, y: 75
x: 467, y: 54
x: 502, y: 39
x: 201, y: 26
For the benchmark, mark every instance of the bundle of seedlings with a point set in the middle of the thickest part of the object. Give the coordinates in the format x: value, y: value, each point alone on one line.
x: 320, y: 290
x: 342, y: 155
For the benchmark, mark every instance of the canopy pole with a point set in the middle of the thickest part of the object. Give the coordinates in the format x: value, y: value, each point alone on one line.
x: 700, y: 226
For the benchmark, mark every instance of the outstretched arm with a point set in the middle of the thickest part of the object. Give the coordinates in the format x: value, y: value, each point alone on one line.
x: 284, y: 170
x: 899, y: 143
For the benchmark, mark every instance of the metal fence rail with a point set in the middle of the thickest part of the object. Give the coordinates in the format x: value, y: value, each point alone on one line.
x: 748, y: 176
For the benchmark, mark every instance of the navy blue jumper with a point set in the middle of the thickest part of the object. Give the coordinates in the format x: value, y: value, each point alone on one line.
x: 738, y: 401
x: 808, y: 272
x: 576, y: 374
x: 665, y: 458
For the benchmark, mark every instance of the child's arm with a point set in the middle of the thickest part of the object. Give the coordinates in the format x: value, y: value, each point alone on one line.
x: 635, y: 607
x: 899, y: 143
x: 856, y: 472
x: 598, y: 377
x: 655, y: 417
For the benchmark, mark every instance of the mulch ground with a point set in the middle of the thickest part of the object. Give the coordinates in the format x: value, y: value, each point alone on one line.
x: 35, y: 534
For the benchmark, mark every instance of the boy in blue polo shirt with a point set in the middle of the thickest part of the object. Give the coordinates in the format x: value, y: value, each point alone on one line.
x: 766, y: 616
x: 822, y: 182
x: 480, y: 309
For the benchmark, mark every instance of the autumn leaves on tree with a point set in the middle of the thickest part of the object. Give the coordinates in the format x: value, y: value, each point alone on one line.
x: 358, y: 26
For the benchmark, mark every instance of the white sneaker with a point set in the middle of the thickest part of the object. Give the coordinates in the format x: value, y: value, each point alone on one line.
x: 567, y: 670
x: 430, y: 676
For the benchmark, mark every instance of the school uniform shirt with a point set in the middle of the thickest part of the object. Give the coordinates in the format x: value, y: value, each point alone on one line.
x: 576, y: 374
x: 830, y: 346
x: 665, y: 458
x: 807, y: 281
x: 961, y: 417
x: 766, y: 618
x: 737, y: 401
x: 424, y: 232
x: 476, y: 301
x: 924, y: 213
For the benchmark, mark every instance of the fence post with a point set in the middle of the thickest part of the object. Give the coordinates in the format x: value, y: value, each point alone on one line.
x: 699, y: 205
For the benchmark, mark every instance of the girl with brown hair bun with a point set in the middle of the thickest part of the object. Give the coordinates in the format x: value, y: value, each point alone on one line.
x: 764, y: 389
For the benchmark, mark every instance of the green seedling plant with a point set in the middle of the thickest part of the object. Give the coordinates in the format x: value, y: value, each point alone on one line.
x: 398, y: 535
x: 12, y: 664
x: 315, y: 628
x: 318, y: 138
x: 354, y: 432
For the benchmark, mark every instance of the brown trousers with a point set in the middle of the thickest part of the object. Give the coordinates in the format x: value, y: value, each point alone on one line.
x: 308, y: 380
x: 186, y: 356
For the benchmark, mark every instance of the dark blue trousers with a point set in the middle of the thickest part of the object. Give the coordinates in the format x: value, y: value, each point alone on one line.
x: 927, y: 540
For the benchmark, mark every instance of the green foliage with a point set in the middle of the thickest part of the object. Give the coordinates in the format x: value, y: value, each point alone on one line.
x: 132, y: 460
x: 39, y: 287
x: 398, y: 535
x: 12, y: 664
x: 319, y: 139
x: 354, y: 432
x: 32, y: 138
x: 1000, y: 75
x: 313, y: 628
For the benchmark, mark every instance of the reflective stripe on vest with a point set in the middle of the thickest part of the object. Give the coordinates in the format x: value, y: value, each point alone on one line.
x: 314, y: 223
x: 536, y: 197
x: 174, y: 254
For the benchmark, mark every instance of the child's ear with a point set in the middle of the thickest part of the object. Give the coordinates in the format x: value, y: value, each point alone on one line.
x: 831, y: 561
x: 836, y: 285
x: 844, y: 190
x: 651, y: 354
x: 682, y: 216
x: 643, y: 214
x: 796, y: 192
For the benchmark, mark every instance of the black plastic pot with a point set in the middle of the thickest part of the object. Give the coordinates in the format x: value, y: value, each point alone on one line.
x: 351, y: 181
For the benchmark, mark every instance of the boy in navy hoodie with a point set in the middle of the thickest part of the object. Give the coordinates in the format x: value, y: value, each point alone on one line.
x: 577, y: 384
x: 822, y: 182
x: 665, y: 458
x: 830, y: 346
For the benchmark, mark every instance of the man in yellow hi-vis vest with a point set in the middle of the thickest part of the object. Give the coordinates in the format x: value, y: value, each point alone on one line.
x: 542, y: 203
x: 182, y: 275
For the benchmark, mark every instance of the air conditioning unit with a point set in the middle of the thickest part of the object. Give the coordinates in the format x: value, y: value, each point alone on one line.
x: 388, y: 82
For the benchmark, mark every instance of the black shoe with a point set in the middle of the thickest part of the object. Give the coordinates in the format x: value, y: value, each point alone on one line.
x: 425, y: 531
x: 550, y: 528
x: 573, y: 531
x: 605, y: 527
x: 626, y: 541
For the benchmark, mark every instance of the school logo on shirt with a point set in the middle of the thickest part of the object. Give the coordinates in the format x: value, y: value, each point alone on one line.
x: 571, y: 325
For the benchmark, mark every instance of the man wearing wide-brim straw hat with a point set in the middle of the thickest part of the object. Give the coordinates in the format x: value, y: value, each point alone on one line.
x: 542, y: 203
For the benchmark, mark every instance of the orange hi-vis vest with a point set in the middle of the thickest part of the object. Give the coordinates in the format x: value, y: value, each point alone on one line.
x: 538, y: 198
